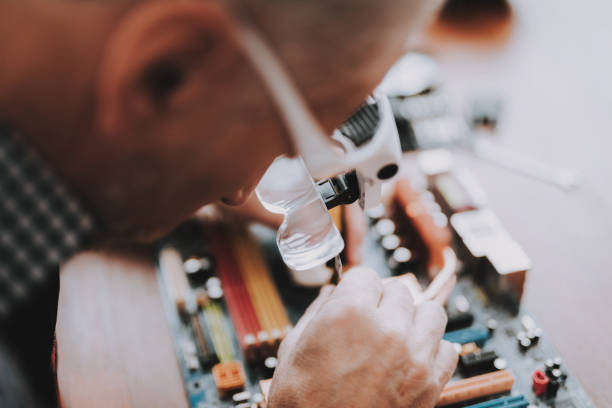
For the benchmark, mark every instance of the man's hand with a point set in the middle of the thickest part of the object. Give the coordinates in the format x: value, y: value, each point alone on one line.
x: 364, y: 344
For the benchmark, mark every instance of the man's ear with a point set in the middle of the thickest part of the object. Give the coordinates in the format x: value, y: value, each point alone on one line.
x: 159, y: 58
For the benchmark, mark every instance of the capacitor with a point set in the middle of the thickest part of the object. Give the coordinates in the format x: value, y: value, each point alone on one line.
x: 528, y: 322
x: 500, y: 363
x: 384, y: 227
x: 192, y: 265
x: 241, y: 396
x: 524, y: 344
x: 491, y: 325
x: 534, y: 335
x: 540, y: 382
x: 390, y: 242
x: 400, y: 258
x: 270, y: 364
x: 215, y: 293
x: 553, y: 388
x: 213, y: 285
x: 549, y: 365
x: 376, y: 212
x: 557, y: 361
x: 461, y: 304
x: 213, y: 282
x: 478, y: 362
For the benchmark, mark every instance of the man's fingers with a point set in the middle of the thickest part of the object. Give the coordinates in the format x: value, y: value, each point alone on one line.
x: 356, y: 229
x: 446, y: 361
x: 429, y: 325
x: 360, y: 284
x: 444, y: 293
x: 310, y: 313
x: 397, y: 301
x: 316, y: 304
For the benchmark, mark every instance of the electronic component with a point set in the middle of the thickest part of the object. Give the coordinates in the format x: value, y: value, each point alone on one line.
x: 523, y: 341
x: 206, y: 351
x: 390, y: 242
x: 491, y: 325
x: 401, y: 259
x: 477, y: 334
x: 197, y: 268
x: 476, y: 387
x: 269, y: 365
x: 459, y: 320
x: 486, y: 111
x: 457, y: 191
x: 384, y: 227
x: 171, y: 266
x: 498, y: 263
x: 478, y: 362
x: 468, y: 348
x: 228, y: 376
x: 553, y: 388
x: 515, y: 401
x: 190, y: 355
x: 223, y: 315
x: 427, y: 236
x: 243, y: 396
x: 540, y: 382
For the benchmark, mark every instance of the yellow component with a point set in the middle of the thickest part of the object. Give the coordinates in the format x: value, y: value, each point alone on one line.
x: 266, y: 300
x: 218, y: 332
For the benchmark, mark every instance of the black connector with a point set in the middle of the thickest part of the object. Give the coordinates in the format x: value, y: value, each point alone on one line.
x: 340, y: 190
x: 478, y: 363
x: 459, y: 320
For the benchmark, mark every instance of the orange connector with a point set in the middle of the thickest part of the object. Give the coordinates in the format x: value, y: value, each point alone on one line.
x: 228, y: 377
x: 476, y: 387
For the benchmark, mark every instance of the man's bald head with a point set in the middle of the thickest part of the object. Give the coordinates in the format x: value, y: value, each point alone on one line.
x: 135, y: 92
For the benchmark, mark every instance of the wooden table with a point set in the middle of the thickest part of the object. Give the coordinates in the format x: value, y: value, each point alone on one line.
x: 551, y: 63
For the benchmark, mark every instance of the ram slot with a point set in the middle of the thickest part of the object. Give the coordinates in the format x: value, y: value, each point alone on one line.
x: 218, y: 332
x: 171, y: 266
x: 269, y: 308
x: 237, y: 297
x: 476, y: 387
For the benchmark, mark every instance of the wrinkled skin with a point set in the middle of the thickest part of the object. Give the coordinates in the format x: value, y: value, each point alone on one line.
x: 364, y: 344
x: 150, y: 110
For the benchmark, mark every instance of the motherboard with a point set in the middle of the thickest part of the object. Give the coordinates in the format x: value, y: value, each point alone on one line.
x: 230, y: 300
